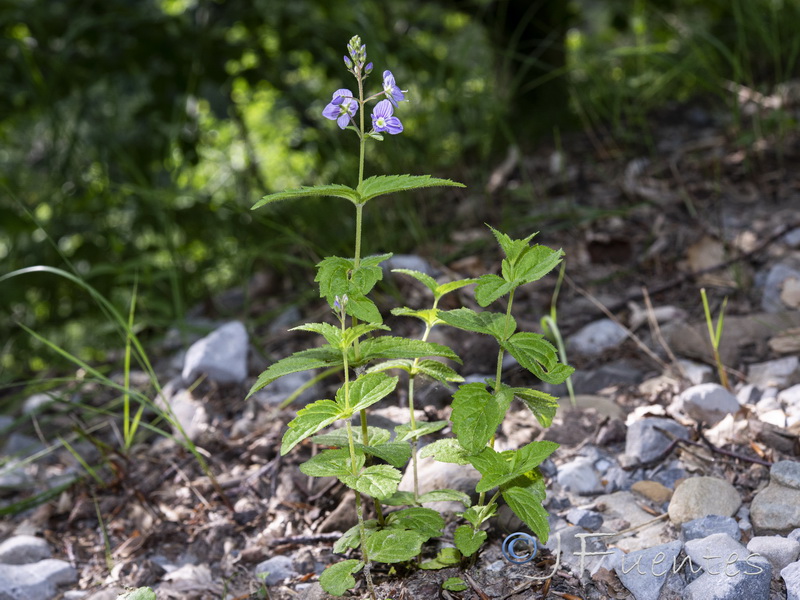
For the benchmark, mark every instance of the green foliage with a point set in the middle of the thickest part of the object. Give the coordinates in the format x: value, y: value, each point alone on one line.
x: 338, y: 578
x: 447, y: 557
x: 394, y: 545
x: 142, y: 593
x: 455, y: 584
x: 468, y: 540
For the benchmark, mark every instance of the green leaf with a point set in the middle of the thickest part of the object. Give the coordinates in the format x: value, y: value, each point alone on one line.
x: 425, y: 521
x: 338, y: 276
x: 499, y: 468
x: 305, y: 360
x: 404, y: 432
x: 490, y: 288
x: 527, y: 505
x: 537, y: 355
x: 438, y: 371
x: 380, y: 185
x: 338, y: 578
x: 351, y: 334
x: 511, y: 248
x: 334, y: 190
x: 142, y: 593
x: 352, y: 537
x: 399, y: 498
x: 475, y: 416
x: 454, y: 584
x: 310, y: 420
x: 390, y: 347
x: 332, y: 463
x: 542, y: 405
x: 369, y: 272
x: 447, y: 557
x: 477, y: 515
x: 446, y: 450
x: 333, y: 335
x: 367, y: 390
x: 429, y: 316
x: 425, y: 279
x: 531, y: 455
x: 445, y: 495
x: 485, y: 322
x: 396, y: 454
x: 452, y: 286
x: 394, y: 545
x: 398, y: 363
x: 378, y: 481
x: 468, y: 540
x: 536, y: 262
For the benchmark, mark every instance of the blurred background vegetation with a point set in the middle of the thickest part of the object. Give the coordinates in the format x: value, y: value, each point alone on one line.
x: 136, y: 134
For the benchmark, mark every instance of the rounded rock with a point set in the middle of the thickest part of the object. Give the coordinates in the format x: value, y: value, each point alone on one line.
x: 701, y: 496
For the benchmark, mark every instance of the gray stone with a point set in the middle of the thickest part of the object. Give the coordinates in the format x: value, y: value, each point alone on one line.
x: 713, y: 552
x: 23, y: 549
x: 669, y: 477
x: 777, y: 277
x: 780, y: 373
x: 222, y: 355
x: 588, y: 519
x: 190, y: 413
x: 786, y: 473
x: 708, y: 403
x: 779, y: 551
x: 37, y: 403
x: 697, y: 373
x: 591, y: 382
x: 792, y: 238
x: 740, y: 580
x: 576, y: 548
x: 748, y: 394
x: 700, y: 496
x: 775, y: 510
x: 35, y: 581
x: 596, y: 337
x: 277, y: 568
x: 644, y: 442
x: 579, y: 476
x: 14, y: 477
x: 708, y: 525
x: 794, y: 535
x: 622, y: 510
x: 791, y: 577
x: 644, y: 572
x: 790, y: 397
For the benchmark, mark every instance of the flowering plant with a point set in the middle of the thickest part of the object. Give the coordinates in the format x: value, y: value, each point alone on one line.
x: 368, y: 459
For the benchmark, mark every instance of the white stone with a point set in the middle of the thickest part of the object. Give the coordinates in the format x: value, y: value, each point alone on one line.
x: 781, y: 372
x: 700, y: 496
x: 579, y: 476
x: 708, y: 403
x: 791, y: 577
x: 23, y: 549
x: 222, y: 355
x: 779, y: 551
x: 596, y: 337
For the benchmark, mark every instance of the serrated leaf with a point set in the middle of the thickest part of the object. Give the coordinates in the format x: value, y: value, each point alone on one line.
x: 338, y: 437
x: 351, y: 334
x: 538, y: 356
x: 332, y: 335
x: 404, y: 432
x: 454, y: 584
x: 542, y: 405
x: 425, y: 521
x: 477, y: 515
x: 399, y: 498
x: 490, y: 288
x: 394, y: 545
x: 511, y: 248
x: 438, y: 371
x: 333, y: 190
x: 446, y: 450
x: 391, y: 347
x: 366, y: 391
x: 305, y: 360
x: 362, y: 308
x: 446, y: 495
x: 377, y: 481
x: 498, y: 325
x: 531, y: 455
x: 528, y: 507
x: 429, y: 316
x: 396, y: 454
x: 332, y: 463
x: 425, y: 279
x: 338, y: 578
x: 451, y: 286
x: 398, y: 363
x: 500, y: 468
x: 352, y: 537
x: 310, y: 420
x: 380, y: 185
x: 447, y: 557
x: 475, y: 416
x: 536, y: 262
x: 468, y: 540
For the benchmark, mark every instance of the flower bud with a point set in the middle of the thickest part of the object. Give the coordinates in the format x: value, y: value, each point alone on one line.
x: 368, y: 69
x: 348, y: 63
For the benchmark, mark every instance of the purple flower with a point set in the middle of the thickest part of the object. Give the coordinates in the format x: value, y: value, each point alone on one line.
x: 382, y: 119
x: 393, y: 93
x: 341, y: 108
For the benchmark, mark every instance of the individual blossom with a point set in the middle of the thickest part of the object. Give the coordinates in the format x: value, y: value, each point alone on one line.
x: 382, y: 119
x: 390, y: 88
x: 342, y: 108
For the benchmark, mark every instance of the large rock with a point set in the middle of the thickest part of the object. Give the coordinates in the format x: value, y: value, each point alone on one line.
x: 596, y: 337
x: 707, y: 403
x: 731, y: 572
x: 700, y: 496
x: 644, y: 442
x: 22, y: 549
x: 222, y: 355
x: 644, y: 572
x: 779, y: 551
x: 776, y: 508
x: 35, y: 581
x: 791, y: 577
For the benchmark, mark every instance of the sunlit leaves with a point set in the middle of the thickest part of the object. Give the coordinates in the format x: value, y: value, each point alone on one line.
x: 310, y: 420
x: 468, y: 539
x: 338, y: 578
